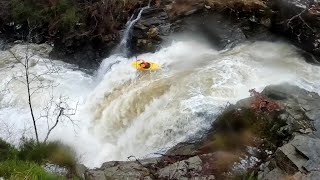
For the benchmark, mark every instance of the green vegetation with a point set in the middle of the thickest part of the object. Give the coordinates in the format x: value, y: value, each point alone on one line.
x: 67, y: 19
x: 16, y: 170
x: 27, y: 11
x: 54, y: 152
x: 7, y: 151
x: 60, y: 15
x: 25, y: 161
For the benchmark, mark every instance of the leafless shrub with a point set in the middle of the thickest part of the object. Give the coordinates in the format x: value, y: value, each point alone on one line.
x: 56, y: 110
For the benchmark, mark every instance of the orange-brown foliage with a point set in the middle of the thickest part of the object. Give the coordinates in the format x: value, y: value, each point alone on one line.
x: 262, y: 104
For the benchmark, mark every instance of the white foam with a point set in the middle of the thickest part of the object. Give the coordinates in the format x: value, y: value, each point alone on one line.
x: 123, y: 112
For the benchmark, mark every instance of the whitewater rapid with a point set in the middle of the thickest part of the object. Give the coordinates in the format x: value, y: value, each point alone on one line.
x: 122, y: 112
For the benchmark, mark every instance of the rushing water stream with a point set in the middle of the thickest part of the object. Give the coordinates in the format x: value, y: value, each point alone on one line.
x: 125, y: 112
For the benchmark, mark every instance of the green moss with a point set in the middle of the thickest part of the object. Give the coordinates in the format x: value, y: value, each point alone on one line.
x: 16, y: 170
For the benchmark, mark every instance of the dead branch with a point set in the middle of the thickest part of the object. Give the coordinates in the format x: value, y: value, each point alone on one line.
x: 62, y: 111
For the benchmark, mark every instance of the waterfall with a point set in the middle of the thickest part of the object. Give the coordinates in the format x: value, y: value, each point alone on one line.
x: 129, y: 114
x: 122, y: 48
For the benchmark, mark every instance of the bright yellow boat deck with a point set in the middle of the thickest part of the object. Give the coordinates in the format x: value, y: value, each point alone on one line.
x: 153, y: 66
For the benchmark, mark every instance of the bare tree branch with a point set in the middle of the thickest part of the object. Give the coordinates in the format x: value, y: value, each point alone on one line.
x: 63, y: 111
x: 53, y: 113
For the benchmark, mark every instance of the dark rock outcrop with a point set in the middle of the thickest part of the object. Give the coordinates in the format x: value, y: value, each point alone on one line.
x: 299, y: 158
x: 222, y: 23
x: 119, y: 170
x: 149, y: 30
x: 299, y: 21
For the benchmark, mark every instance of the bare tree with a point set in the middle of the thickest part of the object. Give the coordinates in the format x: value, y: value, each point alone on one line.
x: 59, y: 110
x: 25, y: 62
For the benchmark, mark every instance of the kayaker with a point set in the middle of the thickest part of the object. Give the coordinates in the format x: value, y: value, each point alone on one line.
x: 145, y: 65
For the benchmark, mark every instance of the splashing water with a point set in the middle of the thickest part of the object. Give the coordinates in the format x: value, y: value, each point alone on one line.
x: 121, y: 50
x: 132, y: 113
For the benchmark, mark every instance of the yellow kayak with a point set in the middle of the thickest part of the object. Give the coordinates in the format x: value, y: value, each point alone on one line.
x: 153, y: 66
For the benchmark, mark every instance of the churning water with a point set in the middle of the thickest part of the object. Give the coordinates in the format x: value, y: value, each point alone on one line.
x: 125, y: 112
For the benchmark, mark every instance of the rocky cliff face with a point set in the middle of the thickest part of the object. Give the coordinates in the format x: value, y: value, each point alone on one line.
x: 299, y: 21
x: 297, y: 158
x: 279, y: 144
x: 223, y: 23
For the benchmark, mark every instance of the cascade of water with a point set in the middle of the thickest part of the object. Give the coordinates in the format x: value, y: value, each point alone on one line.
x: 125, y: 114
x: 123, y: 45
x: 122, y: 49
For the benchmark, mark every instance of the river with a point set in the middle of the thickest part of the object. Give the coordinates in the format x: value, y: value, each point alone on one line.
x: 122, y: 112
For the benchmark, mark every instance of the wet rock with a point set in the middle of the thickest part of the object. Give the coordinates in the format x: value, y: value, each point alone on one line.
x: 2, y: 45
x: 183, y: 149
x: 310, y: 148
x: 148, y: 31
x: 95, y: 175
x: 86, y: 54
x: 313, y: 114
x: 184, y: 7
x: 215, y: 28
x: 317, y: 127
x: 182, y: 169
x: 299, y: 159
x: 80, y: 170
x: 286, y: 91
x: 119, y: 170
x: 289, y: 160
x: 313, y: 175
x: 302, y: 107
x: 150, y: 161
x: 274, y: 174
x: 244, y: 103
x: 222, y: 33
x: 299, y: 21
x: 153, y: 17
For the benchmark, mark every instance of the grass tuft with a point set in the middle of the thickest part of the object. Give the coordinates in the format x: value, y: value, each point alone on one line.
x: 16, y: 170
x: 53, y: 152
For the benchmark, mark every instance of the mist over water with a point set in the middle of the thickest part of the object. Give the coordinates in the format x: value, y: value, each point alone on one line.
x: 123, y: 112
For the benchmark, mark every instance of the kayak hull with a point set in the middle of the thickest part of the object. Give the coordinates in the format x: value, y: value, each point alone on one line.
x: 153, y: 66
